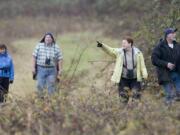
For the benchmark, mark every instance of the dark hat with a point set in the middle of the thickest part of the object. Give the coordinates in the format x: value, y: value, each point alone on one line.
x: 169, y: 31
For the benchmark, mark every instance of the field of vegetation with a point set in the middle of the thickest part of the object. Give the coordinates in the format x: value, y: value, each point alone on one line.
x: 87, y: 103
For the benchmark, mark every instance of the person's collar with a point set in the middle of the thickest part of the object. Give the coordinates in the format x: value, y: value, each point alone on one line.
x: 128, y: 49
x: 3, y: 54
x: 51, y: 44
x: 173, y: 42
x: 171, y: 45
x: 163, y: 43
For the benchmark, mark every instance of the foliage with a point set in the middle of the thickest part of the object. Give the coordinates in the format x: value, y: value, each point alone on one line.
x: 87, y: 103
x: 96, y: 113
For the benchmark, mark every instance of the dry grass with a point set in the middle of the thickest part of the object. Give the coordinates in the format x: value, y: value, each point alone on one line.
x: 96, y: 113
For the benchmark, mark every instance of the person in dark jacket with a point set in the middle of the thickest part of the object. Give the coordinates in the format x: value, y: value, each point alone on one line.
x: 166, y: 58
x: 6, y: 72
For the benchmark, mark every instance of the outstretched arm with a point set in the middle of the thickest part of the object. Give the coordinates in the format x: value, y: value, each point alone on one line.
x: 111, y: 51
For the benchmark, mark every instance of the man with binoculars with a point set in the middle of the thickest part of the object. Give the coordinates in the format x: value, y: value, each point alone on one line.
x: 47, y: 64
x: 129, y: 70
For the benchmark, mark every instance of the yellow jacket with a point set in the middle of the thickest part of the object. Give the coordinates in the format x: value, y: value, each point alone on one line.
x: 119, y: 55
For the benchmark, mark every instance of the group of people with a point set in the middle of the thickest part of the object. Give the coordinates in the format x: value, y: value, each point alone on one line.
x: 46, y: 69
x: 129, y: 71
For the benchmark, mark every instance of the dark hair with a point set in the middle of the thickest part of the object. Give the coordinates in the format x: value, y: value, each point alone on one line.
x: 3, y: 46
x: 129, y: 40
x: 51, y: 35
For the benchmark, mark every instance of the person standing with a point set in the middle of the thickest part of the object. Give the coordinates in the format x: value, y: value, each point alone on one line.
x: 6, y: 72
x: 47, y: 64
x: 166, y: 58
x: 130, y: 69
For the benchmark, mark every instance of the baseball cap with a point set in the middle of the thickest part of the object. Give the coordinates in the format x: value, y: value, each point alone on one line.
x: 169, y: 31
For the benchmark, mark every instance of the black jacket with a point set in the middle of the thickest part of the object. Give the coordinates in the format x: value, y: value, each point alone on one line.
x: 161, y: 55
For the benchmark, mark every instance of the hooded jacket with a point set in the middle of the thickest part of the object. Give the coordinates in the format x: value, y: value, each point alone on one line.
x: 161, y: 55
x: 6, y: 66
x: 119, y: 55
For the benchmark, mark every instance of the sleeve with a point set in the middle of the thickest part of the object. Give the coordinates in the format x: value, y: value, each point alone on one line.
x: 156, y: 59
x: 111, y: 51
x: 35, y: 53
x: 143, y: 67
x: 59, y: 54
x: 11, y: 70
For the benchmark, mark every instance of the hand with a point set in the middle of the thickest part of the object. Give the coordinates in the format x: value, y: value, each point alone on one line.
x: 11, y: 81
x: 170, y: 66
x: 99, y: 44
x: 34, y: 73
x: 34, y: 76
x: 58, y: 78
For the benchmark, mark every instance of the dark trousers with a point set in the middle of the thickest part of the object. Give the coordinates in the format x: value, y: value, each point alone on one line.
x: 133, y: 85
x: 4, y: 88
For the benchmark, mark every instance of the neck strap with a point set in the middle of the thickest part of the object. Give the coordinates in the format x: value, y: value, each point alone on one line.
x: 125, y: 64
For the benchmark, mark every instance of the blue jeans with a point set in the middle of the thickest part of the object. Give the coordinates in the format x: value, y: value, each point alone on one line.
x: 46, y: 78
x: 172, y: 88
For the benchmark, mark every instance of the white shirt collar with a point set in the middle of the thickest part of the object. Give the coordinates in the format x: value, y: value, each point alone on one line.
x: 171, y: 45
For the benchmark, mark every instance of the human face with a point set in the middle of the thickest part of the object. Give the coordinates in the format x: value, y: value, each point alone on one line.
x: 48, y: 39
x: 171, y: 36
x: 125, y: 44
x: 2, y: 50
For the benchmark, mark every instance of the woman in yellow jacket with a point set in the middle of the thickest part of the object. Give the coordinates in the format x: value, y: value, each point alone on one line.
x: 129, y: 69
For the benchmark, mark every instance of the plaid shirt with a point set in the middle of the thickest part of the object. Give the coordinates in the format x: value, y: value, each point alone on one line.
x: 43, y: 52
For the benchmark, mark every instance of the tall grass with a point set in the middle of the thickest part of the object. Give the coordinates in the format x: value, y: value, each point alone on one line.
x: 96, y: 113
